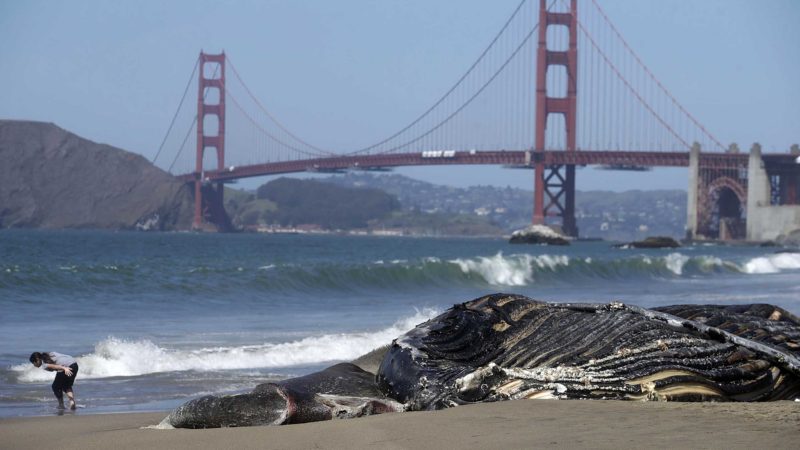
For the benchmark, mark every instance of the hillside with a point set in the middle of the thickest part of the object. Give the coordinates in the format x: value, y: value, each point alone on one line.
x: 50, y: 178
x: 330, y: 206
x: 312, y: 204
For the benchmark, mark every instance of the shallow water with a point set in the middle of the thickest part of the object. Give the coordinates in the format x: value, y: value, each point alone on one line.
x: 157, y: 318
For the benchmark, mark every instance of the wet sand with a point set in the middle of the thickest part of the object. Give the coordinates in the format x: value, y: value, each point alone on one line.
x: 513, y: 424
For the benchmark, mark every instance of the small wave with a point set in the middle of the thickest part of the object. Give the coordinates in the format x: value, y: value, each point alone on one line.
x: 515, y: 270
x: 773, y: 263
x: 71, y: 276
x: 523, y: 270
x: 681, y: 265
x: 496, y: 270
x: 115, y: 357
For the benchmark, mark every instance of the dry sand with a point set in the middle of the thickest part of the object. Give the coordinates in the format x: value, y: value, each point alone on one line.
x: 513, y: 424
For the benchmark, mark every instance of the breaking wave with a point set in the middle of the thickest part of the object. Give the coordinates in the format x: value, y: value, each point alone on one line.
x: 773, y: 263
x: 115, y: 357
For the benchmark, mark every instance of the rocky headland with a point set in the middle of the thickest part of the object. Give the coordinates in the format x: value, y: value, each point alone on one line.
x: 51, y: 178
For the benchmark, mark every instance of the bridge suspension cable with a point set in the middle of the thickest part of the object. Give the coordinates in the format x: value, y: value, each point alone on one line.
x: 270, y: 135
x: 305, y: 149
x: 183, y: 144
x: 622, y: 105
x: 178, y: 110
x: 627, y: 83
x: 470, y: 99
x: 652, y: 76
x: 320, y: 151
x: 449, y: 91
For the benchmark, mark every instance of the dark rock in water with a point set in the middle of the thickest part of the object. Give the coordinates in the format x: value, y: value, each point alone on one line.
x: 652, y: 242
x: 50, y: 178
x: 538, y: 234
x: 502, y: 347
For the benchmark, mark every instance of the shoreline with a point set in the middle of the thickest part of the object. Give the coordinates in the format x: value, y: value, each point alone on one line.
x: 510, y: 424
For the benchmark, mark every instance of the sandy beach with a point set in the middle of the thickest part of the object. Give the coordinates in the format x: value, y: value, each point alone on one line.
x: 513, y: 424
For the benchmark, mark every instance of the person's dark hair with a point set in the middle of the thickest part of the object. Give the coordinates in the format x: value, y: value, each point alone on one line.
x: 41, y: 356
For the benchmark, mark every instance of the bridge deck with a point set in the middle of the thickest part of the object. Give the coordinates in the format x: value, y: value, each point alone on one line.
x: 517, y: 158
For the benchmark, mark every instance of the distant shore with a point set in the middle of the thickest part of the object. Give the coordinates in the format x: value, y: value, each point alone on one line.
x: 513, y: 424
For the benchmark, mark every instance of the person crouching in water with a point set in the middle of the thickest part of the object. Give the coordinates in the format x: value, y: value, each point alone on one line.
x: 66, y: 369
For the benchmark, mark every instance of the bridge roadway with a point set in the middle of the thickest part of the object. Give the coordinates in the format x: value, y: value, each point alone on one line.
x: 513, y: 158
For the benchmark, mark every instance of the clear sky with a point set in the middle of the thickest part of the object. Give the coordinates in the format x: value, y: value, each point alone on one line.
x: 349, y: 71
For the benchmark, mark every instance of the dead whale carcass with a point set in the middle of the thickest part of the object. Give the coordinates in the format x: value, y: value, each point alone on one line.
x: 507, y: 346
x: 502, y: 347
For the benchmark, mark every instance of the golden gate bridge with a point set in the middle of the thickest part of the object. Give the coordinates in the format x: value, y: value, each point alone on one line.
x: 552, y: 91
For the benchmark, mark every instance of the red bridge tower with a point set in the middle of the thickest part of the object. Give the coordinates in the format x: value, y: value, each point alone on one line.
x: 208, y: 197
x: 556, y: 182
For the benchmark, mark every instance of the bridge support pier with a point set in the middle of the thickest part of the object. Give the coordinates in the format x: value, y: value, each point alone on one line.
x: 554, y: 195
x: 758, y: 192
x: 212, y: 207
x: 692, y: 192
x: 772, y: 209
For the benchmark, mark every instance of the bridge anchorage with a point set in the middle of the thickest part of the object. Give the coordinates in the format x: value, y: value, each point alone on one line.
x: 509, y: 110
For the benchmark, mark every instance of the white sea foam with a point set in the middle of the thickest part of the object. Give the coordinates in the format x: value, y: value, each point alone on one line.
x: 773, y: 263
x: 550, y: 262
x: 395, y: 262
x: 675, y: 262
x: 513, y: 270
x: 115, y: 357
x: 708, y: 263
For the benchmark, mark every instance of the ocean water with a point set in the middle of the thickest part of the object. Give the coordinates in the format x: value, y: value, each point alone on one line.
x: 155, y: 319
